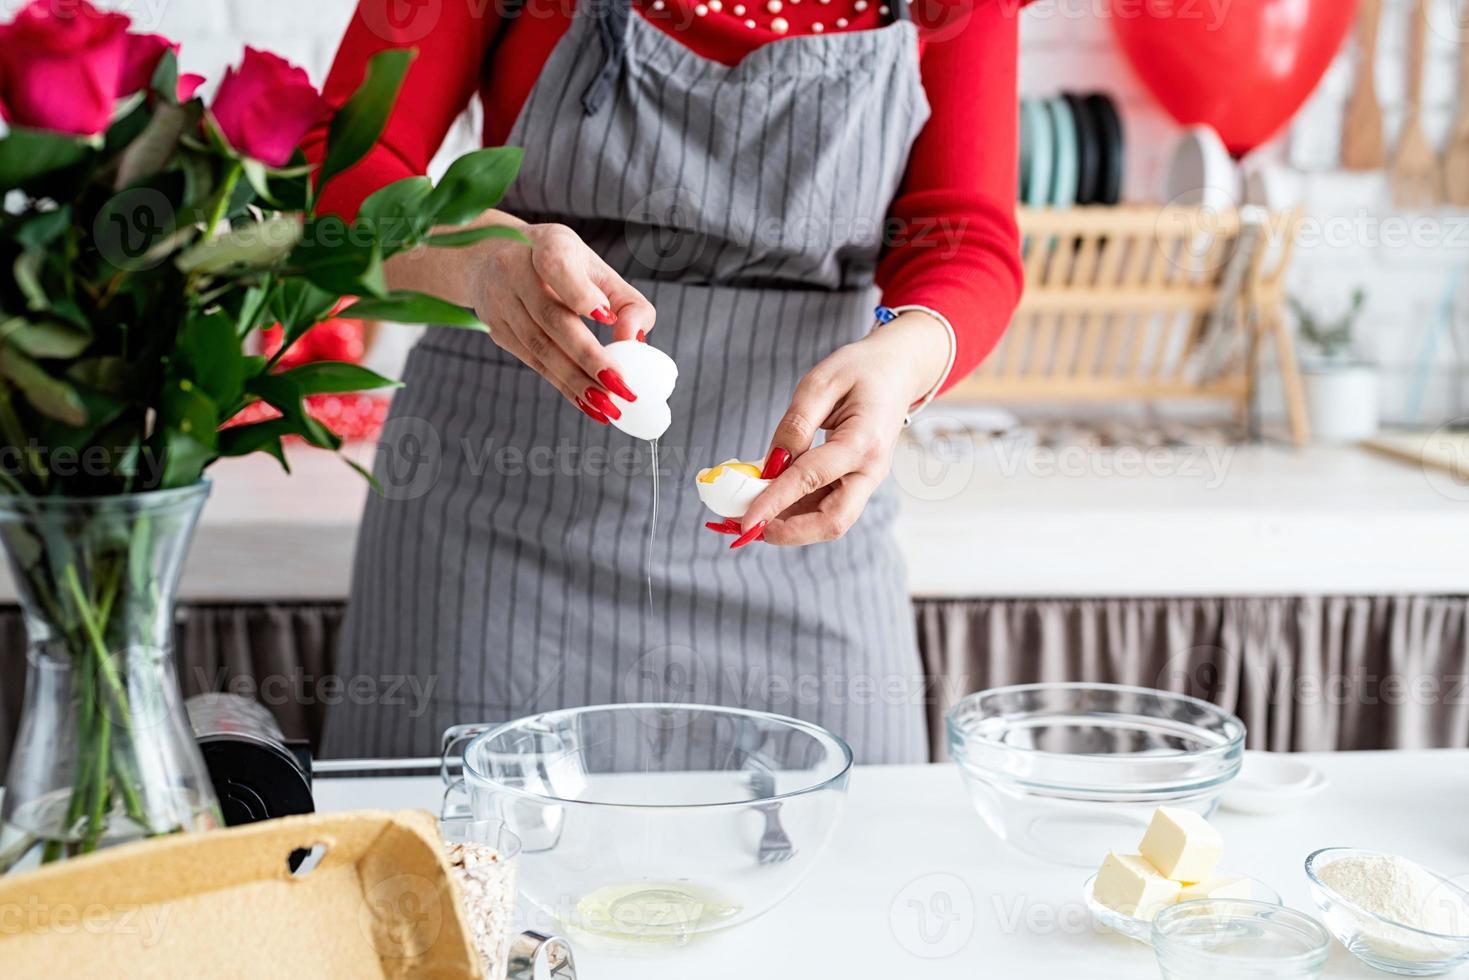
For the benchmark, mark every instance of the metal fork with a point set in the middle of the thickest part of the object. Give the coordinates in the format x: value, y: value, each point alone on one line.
x: 775, y: 845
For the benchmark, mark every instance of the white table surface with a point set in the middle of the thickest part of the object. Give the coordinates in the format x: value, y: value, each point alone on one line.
x: 913, y: 884
x: 979, y: 520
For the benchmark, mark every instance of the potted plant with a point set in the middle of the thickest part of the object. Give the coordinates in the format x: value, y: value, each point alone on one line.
x: 1341, y: 390
x: 146, y: 239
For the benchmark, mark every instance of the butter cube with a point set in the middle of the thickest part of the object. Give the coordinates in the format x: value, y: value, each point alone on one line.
x: 1130, y: 885
x: 1225, y: 886
x: 1182, y: 845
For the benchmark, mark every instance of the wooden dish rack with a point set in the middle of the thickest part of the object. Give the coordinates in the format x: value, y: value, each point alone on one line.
x: 1146, y: 303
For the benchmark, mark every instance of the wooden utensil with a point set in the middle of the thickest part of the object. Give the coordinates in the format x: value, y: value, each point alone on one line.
x: 1362, y: 147
x: 1416, y: 179
x: 1456, y: 156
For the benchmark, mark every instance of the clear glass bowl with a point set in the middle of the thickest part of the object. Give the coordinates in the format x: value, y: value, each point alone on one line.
x: 1235, y: 939
x: 649, y: 824
x: 1141, y: 929
x: 1379, y: 942
x: 1067, y: 772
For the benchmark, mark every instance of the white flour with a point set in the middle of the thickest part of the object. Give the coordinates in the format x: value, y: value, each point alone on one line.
x: 1398, y: 889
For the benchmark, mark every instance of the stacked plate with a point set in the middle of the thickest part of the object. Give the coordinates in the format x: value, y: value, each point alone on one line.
x: 1071, y: 151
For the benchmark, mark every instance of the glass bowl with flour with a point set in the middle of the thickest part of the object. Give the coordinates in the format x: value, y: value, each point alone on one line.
x: 1391, y: 913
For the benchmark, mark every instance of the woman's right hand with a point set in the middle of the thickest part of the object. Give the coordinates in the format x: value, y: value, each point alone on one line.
x: 533, y: 300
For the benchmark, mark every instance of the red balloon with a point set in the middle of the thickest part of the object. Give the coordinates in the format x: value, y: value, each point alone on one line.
x: 1244, y: 67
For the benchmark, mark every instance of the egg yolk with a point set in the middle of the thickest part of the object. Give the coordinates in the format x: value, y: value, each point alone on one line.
x: 712, y: 473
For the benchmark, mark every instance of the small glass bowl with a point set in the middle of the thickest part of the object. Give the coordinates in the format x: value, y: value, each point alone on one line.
x: 1236, y: 939
x: 1380, y: 942
x: 1064, y: 771
x: 1136, y: 927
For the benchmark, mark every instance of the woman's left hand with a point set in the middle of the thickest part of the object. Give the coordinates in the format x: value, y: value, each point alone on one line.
x: 860, y: 395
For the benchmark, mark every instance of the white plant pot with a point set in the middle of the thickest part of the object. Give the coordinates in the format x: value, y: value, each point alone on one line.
x: 1342, y: 401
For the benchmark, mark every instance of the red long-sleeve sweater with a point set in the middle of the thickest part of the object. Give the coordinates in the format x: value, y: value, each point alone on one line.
x: 961, y: 257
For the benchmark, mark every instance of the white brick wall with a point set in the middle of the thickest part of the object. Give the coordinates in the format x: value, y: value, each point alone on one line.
x: 1406, y: 262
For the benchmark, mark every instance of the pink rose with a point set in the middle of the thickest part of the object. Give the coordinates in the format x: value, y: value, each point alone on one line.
x: 189, y: 86
x: 266, y: 106
x: 61, y: 64
x: 144, y: 51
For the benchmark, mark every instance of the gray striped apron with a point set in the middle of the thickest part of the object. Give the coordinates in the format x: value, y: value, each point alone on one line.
x: 504, y: 570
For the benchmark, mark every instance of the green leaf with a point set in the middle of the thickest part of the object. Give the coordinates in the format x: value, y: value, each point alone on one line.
x: 26, y: 154
x: 199, y: 177
x: 337, y: 377
x: 365, y: 473
x: 395, y: 215
x: 156, y: 145
x: 252, y: 307
x: 342, y: 260
x: 27, y: 271
x: 189, y: 420
x: 404, y: 306
x: 258, y: 245
x: 258, y: 176
x: 298, y: 304
x: 473, y: 184
x: 105, y: 374
x: 209, y: 352
x: 401, y: 198
x: 289, y: 192
x: 45, y: 339
x: 165, y: 82
x: 42, y: 228
x: 267, y: 436
x: 472, y: 236
x: 50, y: 396
x: 283, y: 394
x: 356, y: 128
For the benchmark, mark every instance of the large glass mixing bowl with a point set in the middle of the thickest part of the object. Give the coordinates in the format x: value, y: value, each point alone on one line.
x: 1067, y: 772
x: 654, y: 823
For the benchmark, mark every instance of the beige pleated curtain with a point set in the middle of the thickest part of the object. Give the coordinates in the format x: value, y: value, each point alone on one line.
x: 1308, y: 674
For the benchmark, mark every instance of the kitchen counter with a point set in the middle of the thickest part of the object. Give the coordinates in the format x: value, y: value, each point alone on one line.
x: 914, y: 885
x: 977, y: 521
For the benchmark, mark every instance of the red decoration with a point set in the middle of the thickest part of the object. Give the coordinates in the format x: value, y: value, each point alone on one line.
x: 1244, y: 67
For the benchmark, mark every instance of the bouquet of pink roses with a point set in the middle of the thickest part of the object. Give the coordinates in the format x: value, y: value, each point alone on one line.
x: 145, y: 239
x: 146, y: 236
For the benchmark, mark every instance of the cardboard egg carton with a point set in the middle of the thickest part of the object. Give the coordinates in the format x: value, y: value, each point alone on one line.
x: 378, y: 903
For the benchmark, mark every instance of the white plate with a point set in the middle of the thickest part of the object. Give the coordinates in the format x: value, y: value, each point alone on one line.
x: 1202, y: 173
x: 1272, y: 782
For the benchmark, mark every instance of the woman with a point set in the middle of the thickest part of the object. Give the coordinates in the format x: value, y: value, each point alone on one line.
x: 750, y: 177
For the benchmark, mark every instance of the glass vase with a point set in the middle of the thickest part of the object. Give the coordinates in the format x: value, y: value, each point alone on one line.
x: 104, y: 753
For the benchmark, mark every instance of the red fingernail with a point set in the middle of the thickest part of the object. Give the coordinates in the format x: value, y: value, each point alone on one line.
x: 722, y: 528
x: 753, y: 534
x: 603, y: 314
x: 598, y: 399
x: 642, y: 336
x: 613, y: 382
x: 591, y: 412
x: 776, y: 464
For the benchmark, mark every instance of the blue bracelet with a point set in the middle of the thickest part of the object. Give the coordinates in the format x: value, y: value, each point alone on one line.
x: 884, y: 314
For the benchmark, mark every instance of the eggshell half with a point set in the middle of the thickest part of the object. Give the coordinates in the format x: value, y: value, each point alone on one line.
x: 732, y: 492
x: 651, y: 374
